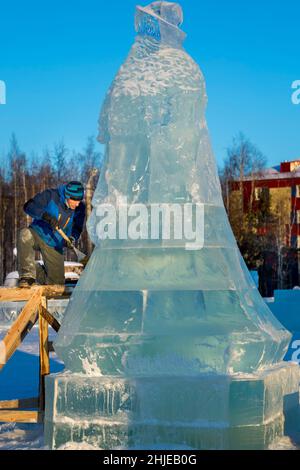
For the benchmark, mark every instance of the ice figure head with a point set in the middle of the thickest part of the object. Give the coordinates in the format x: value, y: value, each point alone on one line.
x: 161, y: 21
x: 168, y: 11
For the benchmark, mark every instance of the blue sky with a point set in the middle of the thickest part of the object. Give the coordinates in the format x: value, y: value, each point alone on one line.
x: 58, y: 58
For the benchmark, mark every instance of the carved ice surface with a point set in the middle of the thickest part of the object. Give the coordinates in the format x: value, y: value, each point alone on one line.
x: 151, y: 316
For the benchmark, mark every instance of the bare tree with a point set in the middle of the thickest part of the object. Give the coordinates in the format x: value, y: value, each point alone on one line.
x: 60, y: 161
x: 243, y: 159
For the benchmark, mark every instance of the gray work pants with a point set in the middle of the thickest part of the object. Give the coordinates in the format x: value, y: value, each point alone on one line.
x: 53, y: 270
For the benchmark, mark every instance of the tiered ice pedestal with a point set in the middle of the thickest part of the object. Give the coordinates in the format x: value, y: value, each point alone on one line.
x: 205, y: 412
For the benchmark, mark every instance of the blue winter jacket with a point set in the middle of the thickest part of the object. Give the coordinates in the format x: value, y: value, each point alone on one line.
x: 53, y: 201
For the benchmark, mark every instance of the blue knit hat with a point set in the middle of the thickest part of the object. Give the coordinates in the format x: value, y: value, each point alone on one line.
x: 74, y: 190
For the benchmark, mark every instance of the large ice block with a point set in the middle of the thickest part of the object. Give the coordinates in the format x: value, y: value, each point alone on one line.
x: 165, y: 343
x: 207, y: 412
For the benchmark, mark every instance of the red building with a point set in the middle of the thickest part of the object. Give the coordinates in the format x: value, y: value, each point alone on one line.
x: 283, y: 186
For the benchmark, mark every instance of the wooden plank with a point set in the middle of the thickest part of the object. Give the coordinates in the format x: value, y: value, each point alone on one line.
x: 55, y: 291
x: 44, y: 352
x: 50, y: 319
x: 22, y: 325
x: 16, y: 416
x: 22, y: 403
x: 15, y: 294
x: 43, y: 331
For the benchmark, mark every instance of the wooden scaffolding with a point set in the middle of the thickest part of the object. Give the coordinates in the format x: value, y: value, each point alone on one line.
x: 29, y: 410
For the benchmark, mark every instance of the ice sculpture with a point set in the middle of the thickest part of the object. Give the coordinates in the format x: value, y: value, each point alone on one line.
x: 163, y: 345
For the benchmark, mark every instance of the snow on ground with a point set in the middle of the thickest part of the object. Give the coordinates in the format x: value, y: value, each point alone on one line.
x: 15, y: 436
x: 286, y: 443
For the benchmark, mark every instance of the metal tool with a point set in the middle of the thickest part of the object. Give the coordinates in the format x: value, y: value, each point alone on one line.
x: 80, y: 256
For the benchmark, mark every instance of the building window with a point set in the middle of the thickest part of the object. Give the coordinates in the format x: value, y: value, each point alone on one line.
x: 257, y: 193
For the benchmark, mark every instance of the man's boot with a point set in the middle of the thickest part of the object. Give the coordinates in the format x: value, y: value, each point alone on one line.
x: 26, y: 282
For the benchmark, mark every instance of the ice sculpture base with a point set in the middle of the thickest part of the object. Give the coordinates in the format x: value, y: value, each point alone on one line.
x: 207, y: 412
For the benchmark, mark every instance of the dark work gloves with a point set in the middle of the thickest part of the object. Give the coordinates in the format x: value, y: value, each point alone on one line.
x: 71, y: 243
x: 52, y: 221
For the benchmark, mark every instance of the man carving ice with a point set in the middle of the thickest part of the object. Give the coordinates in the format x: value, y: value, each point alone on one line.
x: 63, y: 208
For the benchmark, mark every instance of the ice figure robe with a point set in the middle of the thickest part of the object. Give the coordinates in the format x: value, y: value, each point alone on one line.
x: 157, y: 309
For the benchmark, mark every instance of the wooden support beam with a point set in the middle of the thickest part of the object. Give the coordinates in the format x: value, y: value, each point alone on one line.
x: 44, y: 352
x: 22, y: 325
x: 43, y: 332
x: 19, y: 404
x: 15, y: 294
x: 16, y: 416
x: 50, y: 319
x: 35, y: 308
